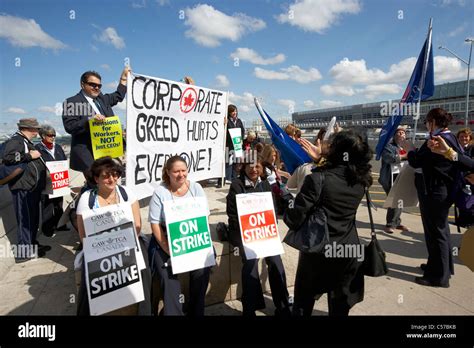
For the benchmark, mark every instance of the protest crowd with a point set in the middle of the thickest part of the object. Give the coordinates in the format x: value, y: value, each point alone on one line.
x: 316, y: 193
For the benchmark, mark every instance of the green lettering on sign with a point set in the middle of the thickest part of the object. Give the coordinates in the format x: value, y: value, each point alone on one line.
x: 189, y: 235
x: 237, y: 143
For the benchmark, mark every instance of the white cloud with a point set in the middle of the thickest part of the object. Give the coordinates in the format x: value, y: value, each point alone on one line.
x: 163, y: 2
x: 448, y: 68
x: 308, y: 103
x: 15, y: 110
x: 253, y: 57
x: 287, y: 102
x: 293, y: 72
x: 348, y: 72
x: 351, y: 77
x: 318, y: 15
x: 47, y: 109
x: 21, y: 32
x: 110, y: 36
x: 372, y: 91
x: 337, y: 90
x: 222, y: 81
x: 105, y: 66
x: 329, y: 103
x: 243, y: 102
x: 208, y: 26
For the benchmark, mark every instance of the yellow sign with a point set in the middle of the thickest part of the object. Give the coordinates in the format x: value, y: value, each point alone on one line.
x: 106, y: 137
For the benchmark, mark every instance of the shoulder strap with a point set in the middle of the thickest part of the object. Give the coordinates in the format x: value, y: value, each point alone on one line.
x: 123, y: 193
x: 321, y: 183
x: 92, y: 197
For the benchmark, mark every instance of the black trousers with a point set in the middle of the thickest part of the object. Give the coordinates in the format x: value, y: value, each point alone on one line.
x: 434, y: 208
x: 252, y: 293
x: 171, y: 287
x: 27, y: 207
x: 51, y: 212
x: 340, y: 278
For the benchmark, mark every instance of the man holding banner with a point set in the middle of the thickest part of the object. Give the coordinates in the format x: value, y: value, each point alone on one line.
x: 89, y: 104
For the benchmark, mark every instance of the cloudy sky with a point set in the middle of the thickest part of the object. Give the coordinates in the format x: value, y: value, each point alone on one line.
x: 295, y: 55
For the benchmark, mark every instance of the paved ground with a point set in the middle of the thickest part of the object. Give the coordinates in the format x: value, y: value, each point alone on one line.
x: 47, y: 286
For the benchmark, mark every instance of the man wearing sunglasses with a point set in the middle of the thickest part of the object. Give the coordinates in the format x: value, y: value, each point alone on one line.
x: 88, y: 104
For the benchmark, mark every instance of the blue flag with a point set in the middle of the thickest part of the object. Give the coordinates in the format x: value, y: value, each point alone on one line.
x: 291, y: 152
x: 420, y: 87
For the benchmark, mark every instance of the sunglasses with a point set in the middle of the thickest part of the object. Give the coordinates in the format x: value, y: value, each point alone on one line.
x: 94, y: 85
x: 51, y: 135
x: 108, y: 174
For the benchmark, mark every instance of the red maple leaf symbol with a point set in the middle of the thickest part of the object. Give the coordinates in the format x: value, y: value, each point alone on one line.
x: 188, y: 101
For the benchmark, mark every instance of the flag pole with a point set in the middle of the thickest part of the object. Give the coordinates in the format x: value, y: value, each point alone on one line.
x: 422, y: 80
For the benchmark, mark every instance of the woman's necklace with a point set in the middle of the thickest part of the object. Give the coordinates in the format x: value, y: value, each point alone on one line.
x: 110, y: 201
x: 180, y: 190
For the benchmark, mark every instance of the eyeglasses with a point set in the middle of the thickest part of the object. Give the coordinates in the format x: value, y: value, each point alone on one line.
x: 51, y: 135
x: 94, y: 85
x: 108, y: 174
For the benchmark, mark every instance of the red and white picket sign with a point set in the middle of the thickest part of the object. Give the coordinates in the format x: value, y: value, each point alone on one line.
x: 59, y: 171
x: 258, y: 225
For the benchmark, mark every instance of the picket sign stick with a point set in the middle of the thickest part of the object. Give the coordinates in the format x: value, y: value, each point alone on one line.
x: 225, y: 137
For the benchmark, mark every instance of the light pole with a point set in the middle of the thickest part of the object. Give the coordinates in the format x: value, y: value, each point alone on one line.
x: 468, y: 63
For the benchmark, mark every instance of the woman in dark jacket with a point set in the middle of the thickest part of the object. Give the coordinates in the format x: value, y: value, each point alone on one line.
x: 52, y: 208
x: 435, y: 180
x: 345, y: 177
x: 252, y: 295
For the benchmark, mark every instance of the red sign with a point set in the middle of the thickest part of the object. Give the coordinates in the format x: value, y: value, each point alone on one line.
x: 259, y: 226
x: 60, y: 179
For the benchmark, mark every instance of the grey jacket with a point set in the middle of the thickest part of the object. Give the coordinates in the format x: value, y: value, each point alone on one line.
x: 389, y: 156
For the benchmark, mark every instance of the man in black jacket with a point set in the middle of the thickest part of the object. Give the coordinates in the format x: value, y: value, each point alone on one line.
x: 88, y: 104
x: 26, y: 188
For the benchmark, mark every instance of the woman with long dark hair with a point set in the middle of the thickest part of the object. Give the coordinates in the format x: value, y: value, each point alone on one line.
x: 337, y: 187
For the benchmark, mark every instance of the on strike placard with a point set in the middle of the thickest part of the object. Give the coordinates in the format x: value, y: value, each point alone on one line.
x: 189, y: 235
x: 112, y: 271
x: 59, y: 171
x: 258, y: 225
x: 167, y: 118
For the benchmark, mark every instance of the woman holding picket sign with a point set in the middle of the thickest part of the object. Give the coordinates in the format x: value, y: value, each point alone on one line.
x: 337, y: 187
x: 106, y: 172
x: 51, y: 208
x: 175, y: 187
x: 252, y: 295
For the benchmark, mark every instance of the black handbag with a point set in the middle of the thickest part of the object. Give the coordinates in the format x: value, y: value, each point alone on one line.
x: 374, y: 264
x: 313, y: 234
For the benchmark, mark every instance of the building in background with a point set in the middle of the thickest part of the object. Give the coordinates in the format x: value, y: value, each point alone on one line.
x: 449, y: 96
